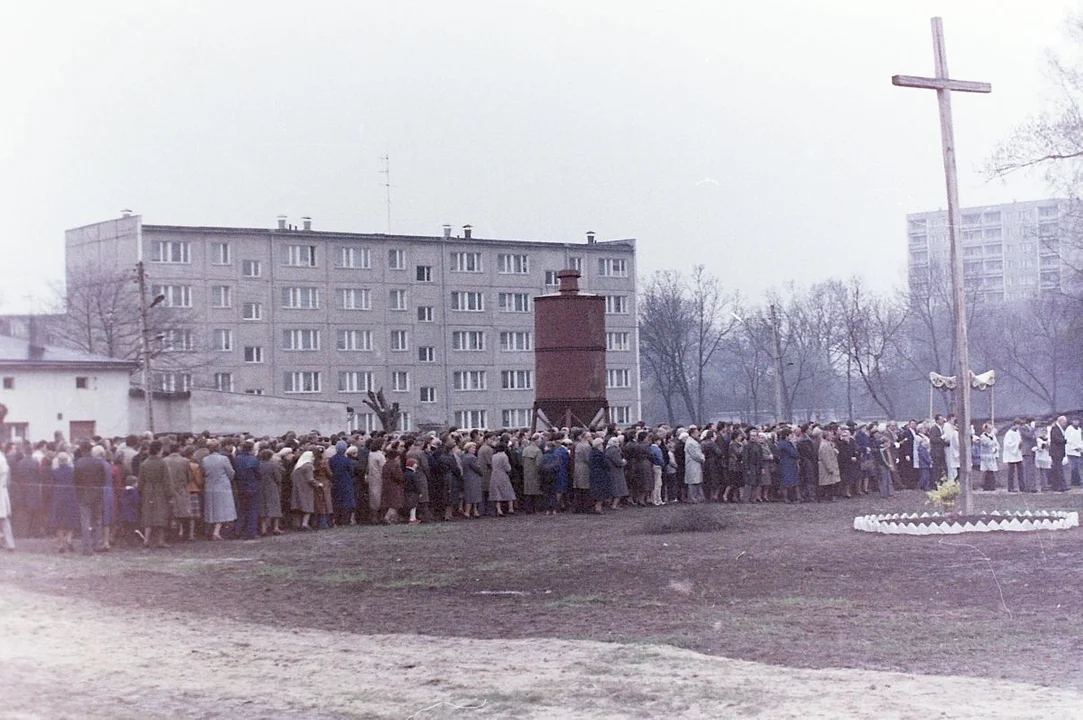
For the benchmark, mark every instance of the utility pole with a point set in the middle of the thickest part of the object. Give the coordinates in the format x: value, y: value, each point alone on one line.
x: 781, y: 412
x: 943, y: 86
x: 386, y: 172
x: 144, y: 344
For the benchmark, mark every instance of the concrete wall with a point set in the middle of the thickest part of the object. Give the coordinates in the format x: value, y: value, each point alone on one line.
x: 48, y: 400
x: 221, y: 412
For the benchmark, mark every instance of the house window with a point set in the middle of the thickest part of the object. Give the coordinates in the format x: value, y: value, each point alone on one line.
x: 9, y: 383
x: 396, y: 300
x: 176, y: 340
x: 175, y: 295
x: 468, y: 301
x: 468, y: 380
x: 405, y: 422
x: 428, y: 394
x: 171, y: 251
x: 222, y: 340
x: 616, y: 341
x: 466, y: 262
x: 616, y: 304
x: 355, y: 381
x: 426, y: 354
x: 512, y: 264
x: 251, y: 269
x: 551, y: 279
x: 622, y: 414
x: 220, y: 253
x: 357, y: 340
x: 516, y: 341
x: 514, y: 302
x: 354, y: 258
x: 253, y: 354
x: 618, y: 378
x: 303, y: 298
x: 399, y: 340
x: 424, y: 273
x: 304, y: 339
x: 396, y: 259
x: 82, y: 383
x: 302, y: 381
x: 400, y: 381
x: 517, y: 379
x: 612, y: 267
x: 301, y: 255
x: 223, y: 382
x: 258, y: 391
x: 172, y: 382
x: 517, y: 418
x: 221, y: 296
x: 472, y: 340
x: 576, y: 263
x: 353, y: 299
x: 252, y: 311
x: 470, y: 419
x: 424, y: 313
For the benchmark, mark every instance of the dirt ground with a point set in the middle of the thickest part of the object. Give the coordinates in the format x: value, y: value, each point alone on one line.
x: 572, y: 616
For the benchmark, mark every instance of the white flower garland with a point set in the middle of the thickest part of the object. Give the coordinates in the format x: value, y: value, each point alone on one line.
x: 904, y: 524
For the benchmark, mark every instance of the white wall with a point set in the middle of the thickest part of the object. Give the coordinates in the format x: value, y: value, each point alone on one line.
x: 48, y: 401
x: 221, y: 412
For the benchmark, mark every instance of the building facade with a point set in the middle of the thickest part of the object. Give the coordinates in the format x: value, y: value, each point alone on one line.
x: 1011, y: 252
x: 443, y: 324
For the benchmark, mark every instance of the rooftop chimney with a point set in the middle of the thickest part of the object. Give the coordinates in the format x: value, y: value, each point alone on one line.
x: 35, y: 350
x: 126, y: 212
x: 569, y: 281
x: 447, y: 232
x: 590, y: 237
x: 306, y: 222
x: 468, y: 231
x: 281, y: 222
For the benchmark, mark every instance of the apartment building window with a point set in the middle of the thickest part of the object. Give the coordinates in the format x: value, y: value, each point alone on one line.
x: 462, y: 301
x: 426, y: 354
x: 82, y: 383
x: 516, y: 341
x: 301, y: 339
x: 471, y: 380
x: 616, y: 304
x: 616, y: 341
x: 251, y: 269
x: 512, y: 264
x: 9, y: 383
x: 252, y: 311
x: 172, y: 382
x: 301, y: 255
x: 253, y: 354
x: 622, y: 414
x: 396, y: 259
x: 428, y: 394
x: 576, y: 263
x: 470, y: 419
x: 424, y: 273
x: 612, y: 267
x: 466, y: 262
x: 400, y: 381
x: 405, y: 421
x: 220, y: 253
x: 517, y: 418
x: 301, y: 381
x: 618, y: 378
x: 177, y: 340
x: 222, y: 340
x: 470, y: 340
x: 517, y: 379
x: 354, y: 258
x: 399, y: 340
x: 300, y: 298
x: 1048, y: 211
x: 221, y: 296
x: 171, y: 251
x: 354, y: 340
x: 513, y: 302
x: 424, y: 313
x: 223, y: 382
x: 551, y: 279
x: 353, y: 299
x: 355, y: 381
x: 396, y: 300
x: 179, y: 296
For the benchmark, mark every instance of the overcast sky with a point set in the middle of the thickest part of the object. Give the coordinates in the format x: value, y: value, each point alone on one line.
x: 763, y: 139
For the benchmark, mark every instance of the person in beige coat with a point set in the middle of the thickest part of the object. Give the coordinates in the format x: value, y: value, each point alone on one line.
x: 829, y: 467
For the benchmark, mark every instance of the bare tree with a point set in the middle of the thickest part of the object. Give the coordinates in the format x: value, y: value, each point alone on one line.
x: 389, y: 414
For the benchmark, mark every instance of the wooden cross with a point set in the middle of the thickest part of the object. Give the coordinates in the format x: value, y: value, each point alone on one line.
x: 943, y: 86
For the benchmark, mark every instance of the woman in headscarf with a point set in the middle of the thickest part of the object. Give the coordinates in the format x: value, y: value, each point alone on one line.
x: 270, y: 492
x: 500, y: 487
x: 342, y: 490
x: 618, y: 482
x: 324, y: 504
x: 473, y: 496
x: 598, y: 475
x: 392, y: 487
x: 303, y: 497
x: 64, y: 513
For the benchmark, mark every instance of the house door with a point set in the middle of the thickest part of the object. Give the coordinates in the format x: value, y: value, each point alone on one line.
x: 81, y: 430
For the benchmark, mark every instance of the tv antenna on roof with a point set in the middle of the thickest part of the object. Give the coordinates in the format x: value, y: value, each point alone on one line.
x: 386, y: 172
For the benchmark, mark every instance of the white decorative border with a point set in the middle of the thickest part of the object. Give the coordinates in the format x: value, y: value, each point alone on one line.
x: 897, y: 524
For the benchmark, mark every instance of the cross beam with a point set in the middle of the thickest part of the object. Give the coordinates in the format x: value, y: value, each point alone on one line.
x: 944, y: 87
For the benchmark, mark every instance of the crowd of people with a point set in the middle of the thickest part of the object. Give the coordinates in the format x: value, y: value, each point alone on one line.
x: 158, y: 490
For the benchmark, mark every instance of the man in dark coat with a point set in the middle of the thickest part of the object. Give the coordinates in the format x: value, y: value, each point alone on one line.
x: 155, y: 495
x: 247, y: 480
x: 27, y: 499
x: 1057, y: 449
x: 89, y: 483
x: 1026, y: 445
x: 938, y: 448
